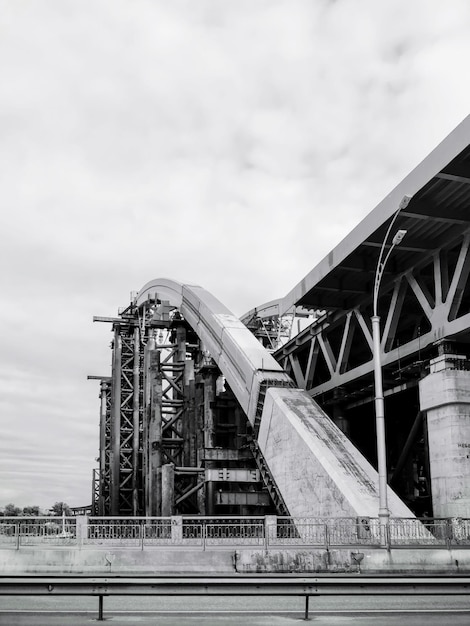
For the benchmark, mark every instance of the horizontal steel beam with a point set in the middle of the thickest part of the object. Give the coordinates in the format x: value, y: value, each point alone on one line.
x: 235, y: 585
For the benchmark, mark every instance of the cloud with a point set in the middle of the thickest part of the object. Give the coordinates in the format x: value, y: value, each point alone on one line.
x: 231, y: 145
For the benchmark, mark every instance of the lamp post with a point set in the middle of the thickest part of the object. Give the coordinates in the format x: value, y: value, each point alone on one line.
x: 384, y: 513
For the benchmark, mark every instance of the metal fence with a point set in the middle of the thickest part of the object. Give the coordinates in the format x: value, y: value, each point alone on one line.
x: 268, y: 532
x: 36, y: 531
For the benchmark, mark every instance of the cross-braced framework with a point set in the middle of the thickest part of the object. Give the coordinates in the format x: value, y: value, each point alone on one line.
x: 95, y: 501
x: 126, y: 487
x: 425, y: 313
x: 171, y: 371
x: 104, y: 502
x: 167, y: 422
x: 429, y: 302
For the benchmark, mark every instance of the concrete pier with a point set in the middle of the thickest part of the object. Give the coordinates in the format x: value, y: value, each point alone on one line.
x: 445, y: 397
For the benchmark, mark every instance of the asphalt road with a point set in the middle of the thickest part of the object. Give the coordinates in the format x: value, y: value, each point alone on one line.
x: 230, y: 611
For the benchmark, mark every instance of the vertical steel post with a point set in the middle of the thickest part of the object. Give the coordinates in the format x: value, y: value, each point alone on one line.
x: 326, y: 537
x: 154, y: 429
x: 135, y: 422
x: 209, y: 433
x: 115, y: 423
x: 307, y: 598
x: 100, y: 608
x: 102, y: 470
x: 145, y: 424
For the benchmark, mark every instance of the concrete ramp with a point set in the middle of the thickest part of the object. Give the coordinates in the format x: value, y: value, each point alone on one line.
x: 318, y: 471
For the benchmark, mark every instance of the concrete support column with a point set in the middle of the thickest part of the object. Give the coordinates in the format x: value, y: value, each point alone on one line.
x: 445, y: 396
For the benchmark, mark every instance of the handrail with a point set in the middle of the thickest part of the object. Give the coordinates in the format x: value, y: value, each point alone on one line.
x: 269, y: 532
x: 238, y: 585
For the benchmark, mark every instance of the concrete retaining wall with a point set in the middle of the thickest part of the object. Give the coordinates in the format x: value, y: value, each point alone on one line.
x: 109, y: 561
x: 223, y: 561
x: 367, y: 561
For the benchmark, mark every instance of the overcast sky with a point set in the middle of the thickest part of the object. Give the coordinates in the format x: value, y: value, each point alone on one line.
x: 226, y: 144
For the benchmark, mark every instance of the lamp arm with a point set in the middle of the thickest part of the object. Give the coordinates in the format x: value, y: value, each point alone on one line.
x: 381, y: 264
x: 378, y: 277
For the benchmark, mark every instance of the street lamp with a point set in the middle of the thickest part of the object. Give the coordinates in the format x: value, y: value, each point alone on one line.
x: 384, y: 513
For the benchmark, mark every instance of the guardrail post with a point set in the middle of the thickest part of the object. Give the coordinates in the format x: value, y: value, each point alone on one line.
x: 204, y: 536
x: 100, y: 609
x: 326, y: 537
x: 307, y: 598
x: 388, y: 537
x: 449, y: 533
x: 270, y: 521
x: 17, y: 531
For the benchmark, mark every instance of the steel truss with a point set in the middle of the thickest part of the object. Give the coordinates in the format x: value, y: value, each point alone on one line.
x: 126, y: 423
x: 424, y: 305
x: 104, y: 504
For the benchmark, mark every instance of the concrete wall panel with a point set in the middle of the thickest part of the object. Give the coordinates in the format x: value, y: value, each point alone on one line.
x: 317, y: 469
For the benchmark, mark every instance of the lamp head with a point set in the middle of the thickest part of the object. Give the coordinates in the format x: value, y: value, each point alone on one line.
x: 398, y: 237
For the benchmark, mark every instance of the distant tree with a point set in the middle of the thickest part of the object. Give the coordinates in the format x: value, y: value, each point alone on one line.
x: 11, y: 510
x: 61, y: 507
x: 31, y: 510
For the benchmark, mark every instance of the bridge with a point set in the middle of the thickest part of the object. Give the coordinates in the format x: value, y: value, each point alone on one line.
x: 273, y: 414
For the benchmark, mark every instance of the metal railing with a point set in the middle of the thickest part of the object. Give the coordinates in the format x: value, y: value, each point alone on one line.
x: 37, y: 531
x: 270, y: 532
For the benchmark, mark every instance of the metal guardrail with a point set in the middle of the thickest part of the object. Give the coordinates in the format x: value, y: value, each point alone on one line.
x: 268, y: 585
x: 270, y: 532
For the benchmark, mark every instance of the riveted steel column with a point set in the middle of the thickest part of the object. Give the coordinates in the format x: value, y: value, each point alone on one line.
x: 135, y: 423
x: 104, y: 389
x: 154, y: 434
x: 210, y: 377
x: 115, y: 423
